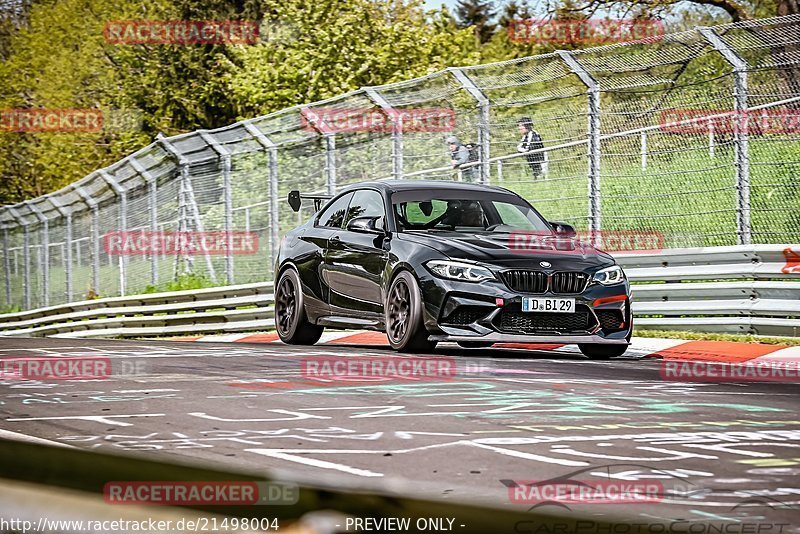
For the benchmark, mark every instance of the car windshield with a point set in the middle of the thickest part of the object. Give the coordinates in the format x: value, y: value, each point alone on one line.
x: 464, y: 211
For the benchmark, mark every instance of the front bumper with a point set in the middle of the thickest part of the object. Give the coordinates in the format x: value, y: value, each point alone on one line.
x: 491, y: 312
x: 499, y: 337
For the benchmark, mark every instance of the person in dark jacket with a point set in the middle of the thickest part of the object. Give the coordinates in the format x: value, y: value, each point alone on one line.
x: 531, y: 140
x: 459, y: 155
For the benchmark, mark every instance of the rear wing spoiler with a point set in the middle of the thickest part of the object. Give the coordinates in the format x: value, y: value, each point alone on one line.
x: 296, y: 199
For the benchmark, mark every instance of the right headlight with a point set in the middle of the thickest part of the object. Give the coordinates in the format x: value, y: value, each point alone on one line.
x: 610, y: 275
x: 457, y: 270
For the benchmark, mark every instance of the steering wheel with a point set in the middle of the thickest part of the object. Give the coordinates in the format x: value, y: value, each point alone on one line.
x: 492, y: 227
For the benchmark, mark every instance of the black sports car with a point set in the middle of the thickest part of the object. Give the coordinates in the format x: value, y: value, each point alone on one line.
x: 429, y: 261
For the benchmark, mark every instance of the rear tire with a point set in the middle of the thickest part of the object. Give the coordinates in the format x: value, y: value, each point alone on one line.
x: 404, y: 325
x: 291, y: 321
x: 599, y: 351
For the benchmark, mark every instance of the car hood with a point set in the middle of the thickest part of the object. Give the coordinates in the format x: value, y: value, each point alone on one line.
x: 512, y: 250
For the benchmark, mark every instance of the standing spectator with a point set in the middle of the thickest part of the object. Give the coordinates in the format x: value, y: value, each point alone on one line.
x: 459, y: 155
x: 531, y: 140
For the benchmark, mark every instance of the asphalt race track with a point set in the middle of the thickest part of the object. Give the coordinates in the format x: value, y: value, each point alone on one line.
x: 728, y: 452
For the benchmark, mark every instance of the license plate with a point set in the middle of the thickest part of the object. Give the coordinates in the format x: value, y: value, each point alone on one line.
x: 538, y: 304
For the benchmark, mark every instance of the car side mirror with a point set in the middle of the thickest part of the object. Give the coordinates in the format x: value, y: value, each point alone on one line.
x: 294, y: 200
x: 367, y: 225
x: 563, y: 229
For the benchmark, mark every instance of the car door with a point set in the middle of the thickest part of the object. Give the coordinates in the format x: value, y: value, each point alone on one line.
x: 356, y: 262
x: 311, y: 266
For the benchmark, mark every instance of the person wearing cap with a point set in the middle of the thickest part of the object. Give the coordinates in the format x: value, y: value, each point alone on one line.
x: 531, y: 140
x: 459, y: 155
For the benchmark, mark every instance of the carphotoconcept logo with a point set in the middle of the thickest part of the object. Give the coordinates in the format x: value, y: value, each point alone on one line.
x: 586, y: 32
x: 358, y: 120
x: 140, y: 243
x: 194, y: 493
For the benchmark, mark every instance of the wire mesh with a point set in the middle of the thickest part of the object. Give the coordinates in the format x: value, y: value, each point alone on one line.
x: 697, y: 142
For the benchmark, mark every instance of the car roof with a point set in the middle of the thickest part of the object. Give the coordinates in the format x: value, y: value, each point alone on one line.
x: 427, y: 185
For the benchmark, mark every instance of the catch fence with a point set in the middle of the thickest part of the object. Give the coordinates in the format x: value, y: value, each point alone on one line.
x: 692, y: 136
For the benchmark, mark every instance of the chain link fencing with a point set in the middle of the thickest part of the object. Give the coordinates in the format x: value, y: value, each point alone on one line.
x: 692, y: 136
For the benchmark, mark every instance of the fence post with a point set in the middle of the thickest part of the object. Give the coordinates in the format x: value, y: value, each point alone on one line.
x: 95, y: 239
x: 67, y: 257
x: 26, y: 265
x: 330, y: 162
x: 593, y: 92
x: 643, y: 149
x: 188, y: 201
x: 44, y: 252
x: 316, y: 122
x: 397, y: 130
x: 483, y: 119
x: 123, y: 223
x: 740, y: 135
x: 711, y: 138
x: 26, y: 258
x: 227, y: 199
x: 152, y: 207
x: 6, y: 266
x: 274, y: 206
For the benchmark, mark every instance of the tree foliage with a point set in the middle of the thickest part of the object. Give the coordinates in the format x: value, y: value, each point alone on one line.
x: 53, y: 55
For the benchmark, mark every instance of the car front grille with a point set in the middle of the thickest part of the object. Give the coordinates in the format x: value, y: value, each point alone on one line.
x: 513, y: 321
x: 610, y: 320
x: 559, y: 283
x: 526, y: 281
x: 568, y: 282
x: 464, y: 315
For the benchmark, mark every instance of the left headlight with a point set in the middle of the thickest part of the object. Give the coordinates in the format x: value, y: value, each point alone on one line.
x: 456, y: 270
x: 609, y: 276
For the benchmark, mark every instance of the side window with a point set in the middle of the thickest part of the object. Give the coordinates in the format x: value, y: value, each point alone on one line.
x: 366, y: 203
x: 333, y: 215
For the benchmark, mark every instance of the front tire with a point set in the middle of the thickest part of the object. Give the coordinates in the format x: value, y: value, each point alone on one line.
x: 291, y: 321
x: 404, y: 325
x: 598, y: 351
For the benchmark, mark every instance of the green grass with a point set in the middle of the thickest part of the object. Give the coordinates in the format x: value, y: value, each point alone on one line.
x: 182, y: 283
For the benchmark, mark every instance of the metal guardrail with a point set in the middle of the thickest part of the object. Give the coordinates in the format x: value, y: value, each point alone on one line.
x: 747, y: 289
x: 221, y: 309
